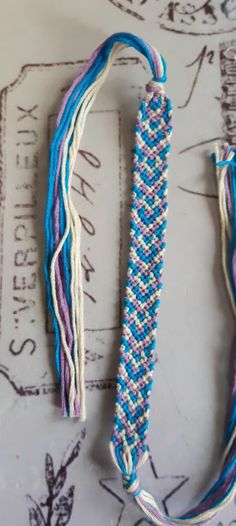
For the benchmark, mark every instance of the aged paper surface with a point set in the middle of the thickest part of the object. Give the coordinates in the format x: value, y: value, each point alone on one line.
x: 42, y: 47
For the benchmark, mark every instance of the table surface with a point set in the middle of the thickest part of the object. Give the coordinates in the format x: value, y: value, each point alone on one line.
x: 42, y: 47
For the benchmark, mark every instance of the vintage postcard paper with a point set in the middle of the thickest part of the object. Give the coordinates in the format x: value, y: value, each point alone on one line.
x: 57, y: 471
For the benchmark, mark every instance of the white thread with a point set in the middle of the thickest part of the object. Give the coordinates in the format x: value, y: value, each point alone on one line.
x: 221, y: 172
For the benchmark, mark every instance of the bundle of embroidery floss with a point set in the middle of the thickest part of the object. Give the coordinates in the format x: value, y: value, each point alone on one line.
x: 144, y: 275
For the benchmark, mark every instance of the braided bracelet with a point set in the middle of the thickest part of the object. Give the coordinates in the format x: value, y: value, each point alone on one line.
x: 144, y: 276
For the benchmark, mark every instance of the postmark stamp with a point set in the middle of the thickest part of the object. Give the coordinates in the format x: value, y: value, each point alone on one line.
x: 200, y: 17
x: 228, y: 84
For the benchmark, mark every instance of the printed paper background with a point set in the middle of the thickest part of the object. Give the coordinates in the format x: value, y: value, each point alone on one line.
x: 56, y: 471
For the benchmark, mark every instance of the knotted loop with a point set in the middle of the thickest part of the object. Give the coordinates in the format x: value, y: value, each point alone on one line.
x: 127, y: 465
x: 155, y: 86
x: 131, y: 484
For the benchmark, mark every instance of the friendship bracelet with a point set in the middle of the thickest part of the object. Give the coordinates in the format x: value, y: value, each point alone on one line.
x: 148, y: 219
